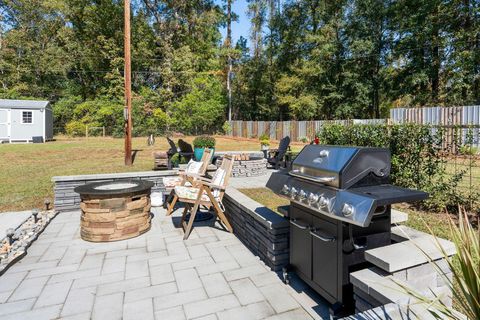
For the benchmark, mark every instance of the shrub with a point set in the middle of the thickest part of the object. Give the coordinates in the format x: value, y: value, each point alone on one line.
x: 304, y: 139
x: 468, y: 150
x: 227, y: 128
x: 75, y: 128
x: 177, y: 159
x: 416, y: 158
x: 264, y: 139
x: 204, y: 142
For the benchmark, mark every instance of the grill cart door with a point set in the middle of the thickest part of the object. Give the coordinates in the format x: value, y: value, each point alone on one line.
x: 301, y: 242
x: 325, y: 258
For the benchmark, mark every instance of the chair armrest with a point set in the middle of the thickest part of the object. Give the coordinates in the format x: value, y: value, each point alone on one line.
x: 211, y: 185
x: 198, y: 177
x: 186, y: 153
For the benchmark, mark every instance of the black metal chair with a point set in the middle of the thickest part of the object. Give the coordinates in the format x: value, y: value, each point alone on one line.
x: 186, y: 149
x: 163, y: 159
x: 171, y: 152
x: 276, y: 156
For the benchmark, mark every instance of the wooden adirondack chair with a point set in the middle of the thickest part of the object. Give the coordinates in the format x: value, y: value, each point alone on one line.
x: 186, y: 149
x: 276, y: 156
x: 205, y: 192
x: 163, y: 159
x: 186, y: 178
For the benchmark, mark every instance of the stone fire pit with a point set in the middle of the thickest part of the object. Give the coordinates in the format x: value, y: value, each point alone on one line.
x: 246, y: 165
x: 114, y: 211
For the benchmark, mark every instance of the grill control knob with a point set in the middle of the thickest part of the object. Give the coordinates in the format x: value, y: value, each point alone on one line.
x: 323, y: 202
x: 285, y: 189
x: 348, y: 210
x: 302, y: 195
x: 293, y: 192
x: 312, y: 198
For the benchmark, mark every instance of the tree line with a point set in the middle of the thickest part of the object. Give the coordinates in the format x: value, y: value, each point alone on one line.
x: 303, y: 60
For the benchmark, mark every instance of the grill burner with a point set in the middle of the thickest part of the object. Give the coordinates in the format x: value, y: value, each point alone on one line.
x: 340, y: 206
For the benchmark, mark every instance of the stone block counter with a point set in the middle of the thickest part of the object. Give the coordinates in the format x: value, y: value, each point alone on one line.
x: 263, y: 231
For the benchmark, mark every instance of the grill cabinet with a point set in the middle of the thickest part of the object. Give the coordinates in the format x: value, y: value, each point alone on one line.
x: 340, y: 206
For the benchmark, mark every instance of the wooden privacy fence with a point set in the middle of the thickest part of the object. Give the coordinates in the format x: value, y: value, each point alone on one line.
x: 297, y: 130
x: 456, y: 123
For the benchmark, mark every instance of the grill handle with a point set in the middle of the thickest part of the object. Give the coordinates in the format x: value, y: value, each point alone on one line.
x: 323, y: 237
x: 299, y: 224
x: 297, y: 173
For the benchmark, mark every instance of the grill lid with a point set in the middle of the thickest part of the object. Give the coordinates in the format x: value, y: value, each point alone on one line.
x: 339, y: 166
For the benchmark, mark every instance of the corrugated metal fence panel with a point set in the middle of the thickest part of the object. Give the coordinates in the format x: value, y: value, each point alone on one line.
x: 249, y: 129
x: 261, y: 128
x: 273, y: 130
x: 285, y: 130
x: 240, y: 128
x: 369, y: 121
x: 302, y: 129
x: 471, y: 117
x: 318, y: 125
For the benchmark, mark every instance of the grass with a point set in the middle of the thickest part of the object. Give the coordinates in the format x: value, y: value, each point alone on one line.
x: 27, y: 169
x: 266, y: 197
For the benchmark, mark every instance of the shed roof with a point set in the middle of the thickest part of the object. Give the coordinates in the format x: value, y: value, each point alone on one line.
x: 21, y: 104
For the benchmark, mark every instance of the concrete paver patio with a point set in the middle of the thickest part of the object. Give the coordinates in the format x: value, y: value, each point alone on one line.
x: 212, y: 275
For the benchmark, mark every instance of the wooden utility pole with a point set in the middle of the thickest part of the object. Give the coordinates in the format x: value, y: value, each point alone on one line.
x: 229, y: 47
x: 128, y: 87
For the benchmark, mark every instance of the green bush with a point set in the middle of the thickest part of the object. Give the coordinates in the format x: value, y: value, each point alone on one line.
x: 227, y: 128
x: 468, y: 150
x: 177, y: 159
x: 75, y: 128
x: 204, y: 142
x: 264, y: 139
x: 417, y: 161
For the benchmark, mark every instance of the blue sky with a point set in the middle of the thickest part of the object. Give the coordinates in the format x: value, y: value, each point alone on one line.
x: 242, y: 26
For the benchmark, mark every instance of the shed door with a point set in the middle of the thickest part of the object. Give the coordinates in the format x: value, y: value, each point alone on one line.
x: 4, y: 124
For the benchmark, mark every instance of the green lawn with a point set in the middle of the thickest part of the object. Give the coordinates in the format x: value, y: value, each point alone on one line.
x: 27, y: 169
x: 266, y: 197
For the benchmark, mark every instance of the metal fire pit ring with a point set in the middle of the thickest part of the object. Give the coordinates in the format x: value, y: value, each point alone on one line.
x: 114, y: 210
x: 118, y: 187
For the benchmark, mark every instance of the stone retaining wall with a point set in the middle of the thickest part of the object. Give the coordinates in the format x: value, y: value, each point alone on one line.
x: 374, y: 287
x: 410, y: 267
x: 264, y: 232
x: 66, y: 199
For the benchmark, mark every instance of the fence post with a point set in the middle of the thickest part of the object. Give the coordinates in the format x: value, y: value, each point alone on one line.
x: 103, y: 131
x: 86, y: 131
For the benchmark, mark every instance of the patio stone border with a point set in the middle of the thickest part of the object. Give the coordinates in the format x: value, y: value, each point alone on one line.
x: 25, y: 234
x: 66, y: 199
x: 263, y: 231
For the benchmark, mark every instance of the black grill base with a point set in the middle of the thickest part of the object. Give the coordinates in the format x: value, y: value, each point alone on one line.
x: 325, y: 265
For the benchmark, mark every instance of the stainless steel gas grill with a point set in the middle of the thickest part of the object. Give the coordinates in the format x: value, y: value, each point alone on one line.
x: 340, y: 207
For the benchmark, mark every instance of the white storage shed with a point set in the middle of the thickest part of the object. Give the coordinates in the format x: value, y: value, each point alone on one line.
x: 25, y: 121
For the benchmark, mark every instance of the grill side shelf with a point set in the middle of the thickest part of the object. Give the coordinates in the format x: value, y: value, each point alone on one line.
x: 388, y: 194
